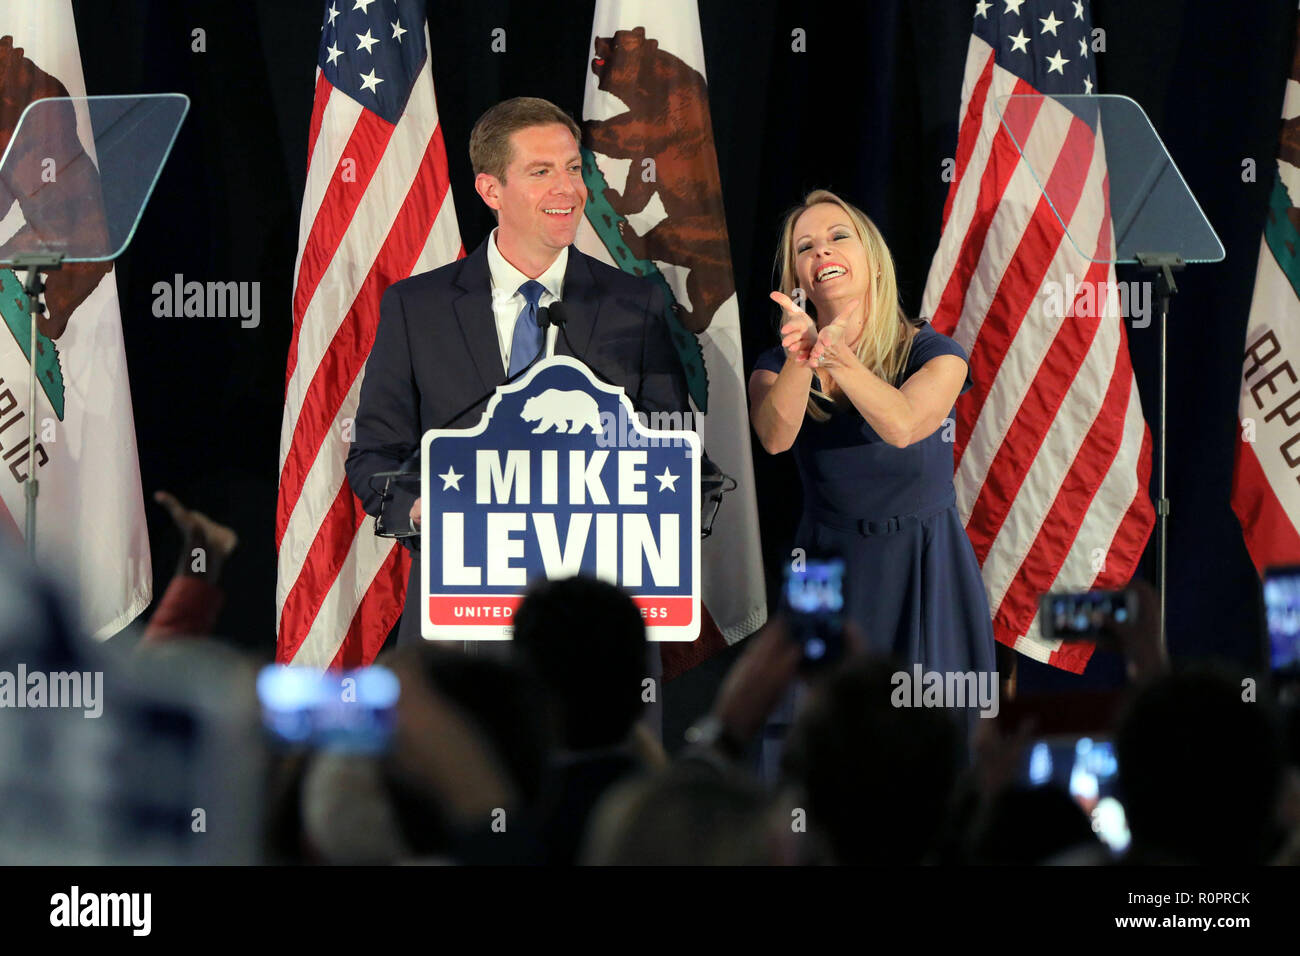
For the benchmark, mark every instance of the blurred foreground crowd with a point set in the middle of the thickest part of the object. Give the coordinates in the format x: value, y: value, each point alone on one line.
x: 544, y: 757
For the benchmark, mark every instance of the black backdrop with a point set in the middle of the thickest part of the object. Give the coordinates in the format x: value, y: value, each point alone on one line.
x: 869, y: 110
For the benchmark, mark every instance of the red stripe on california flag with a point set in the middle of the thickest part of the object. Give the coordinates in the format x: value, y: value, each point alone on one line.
x: 8, y: 525
x: 348, y: 350
x: 319, y: 101
x: 1003, y: 159
x: 329, y: 548
x: 1270, y: 533
x: 969, y: 132
x: 361, y: 156
x: 377, y: 612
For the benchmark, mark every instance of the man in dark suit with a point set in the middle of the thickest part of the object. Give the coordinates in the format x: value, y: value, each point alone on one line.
x: 449, y: 335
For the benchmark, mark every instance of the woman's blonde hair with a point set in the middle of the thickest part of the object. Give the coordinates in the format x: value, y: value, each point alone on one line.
x: 885, y: 341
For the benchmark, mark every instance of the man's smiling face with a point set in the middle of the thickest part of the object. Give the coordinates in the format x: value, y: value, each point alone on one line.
x: 541, y: 199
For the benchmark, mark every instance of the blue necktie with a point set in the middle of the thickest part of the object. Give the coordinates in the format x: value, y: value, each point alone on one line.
x: 528, y: 337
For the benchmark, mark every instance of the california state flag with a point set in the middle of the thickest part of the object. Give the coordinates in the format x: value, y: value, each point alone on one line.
x: 90, y: 514
x: 654, y: 209
x: 1266, y: 480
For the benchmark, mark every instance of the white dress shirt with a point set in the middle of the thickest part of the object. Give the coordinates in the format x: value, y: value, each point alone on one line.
x: 507, y: 303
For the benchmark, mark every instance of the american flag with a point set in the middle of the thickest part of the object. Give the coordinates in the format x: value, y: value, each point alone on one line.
x: 1053, y: 455
x: 377, y: 208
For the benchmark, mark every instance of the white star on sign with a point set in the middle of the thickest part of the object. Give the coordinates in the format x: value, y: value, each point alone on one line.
x: 398, y: 30
x: 1050, y: 23
x: 450, y: 479
x: 667, y: 481
x: 365, y: 41
x: 1057, y: 63
x: 982, y: 9
x: 1083, y: 48
x: 362, y: 5
x: 1013, y: 6
x: 1078, y: 9
x: 333, y: 13
x: 1087, y: 84
x: 334, y: 53
x: 1019, y: 42
x: 370, y: 82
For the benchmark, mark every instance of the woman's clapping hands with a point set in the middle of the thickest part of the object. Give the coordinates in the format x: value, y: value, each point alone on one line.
x: 828, y: 348
x: 798, y: 331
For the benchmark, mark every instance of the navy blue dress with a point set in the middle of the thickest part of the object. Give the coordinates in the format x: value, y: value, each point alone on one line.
x: 913, y: 583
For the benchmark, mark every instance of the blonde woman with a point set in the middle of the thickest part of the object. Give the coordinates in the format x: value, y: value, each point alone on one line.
x: 860, y: 393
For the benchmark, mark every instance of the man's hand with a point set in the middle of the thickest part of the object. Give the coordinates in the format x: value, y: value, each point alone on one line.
x: 1139, y: 639
x: 415, y: 514
x: 756, y: 681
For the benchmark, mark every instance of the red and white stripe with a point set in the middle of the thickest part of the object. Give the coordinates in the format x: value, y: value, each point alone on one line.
x: 1053, y: 455
x: 377, y: 208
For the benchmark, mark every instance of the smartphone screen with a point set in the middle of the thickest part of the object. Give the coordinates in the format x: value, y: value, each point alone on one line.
x: 353, y: 711
x: 1082, y: 615
x: 1282, y: 608
x: 1086, y: 767
x: 814, y: 600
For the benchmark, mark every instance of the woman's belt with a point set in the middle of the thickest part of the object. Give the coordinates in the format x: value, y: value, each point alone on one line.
x: 872, y: 526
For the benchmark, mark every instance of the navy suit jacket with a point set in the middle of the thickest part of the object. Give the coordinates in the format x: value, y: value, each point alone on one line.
x: 436, y: 349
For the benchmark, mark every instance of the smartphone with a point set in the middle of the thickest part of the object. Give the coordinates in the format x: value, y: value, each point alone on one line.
x: 1085, y: 767
x: 1282, y: 610
x: 353, y: 711
x: 1084, y: 615
x: 814, y: 605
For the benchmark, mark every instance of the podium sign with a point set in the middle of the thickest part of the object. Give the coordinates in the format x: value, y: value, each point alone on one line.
x: 558, y: 478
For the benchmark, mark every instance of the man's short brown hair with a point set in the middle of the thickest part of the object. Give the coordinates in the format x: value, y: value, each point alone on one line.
x: 489, y: 141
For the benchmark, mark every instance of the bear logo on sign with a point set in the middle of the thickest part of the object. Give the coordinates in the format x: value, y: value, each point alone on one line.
x: 565, y: 411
